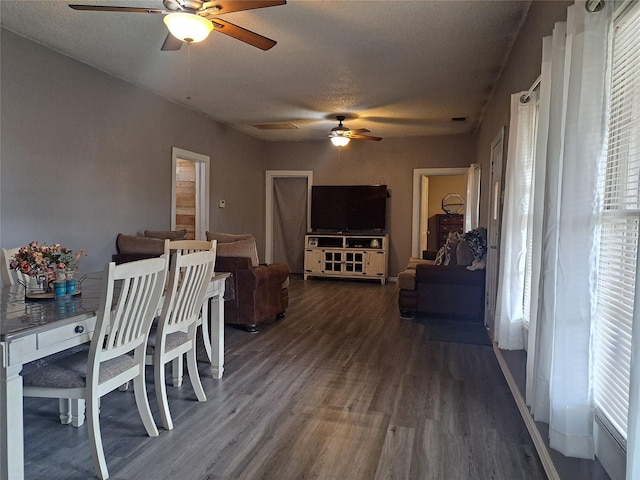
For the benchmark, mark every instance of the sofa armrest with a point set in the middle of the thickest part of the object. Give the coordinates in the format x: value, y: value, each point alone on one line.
x: 407, y: 280
x: 232, y: 264
x: 244, y: 272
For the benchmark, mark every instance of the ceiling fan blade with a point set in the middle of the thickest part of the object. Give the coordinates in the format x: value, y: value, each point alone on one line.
x: 102, y: 8
x: 242, y: 34
x: 171, y: 44
x: 228, y: 6
x: 359, y: 130
x: 364, y: 137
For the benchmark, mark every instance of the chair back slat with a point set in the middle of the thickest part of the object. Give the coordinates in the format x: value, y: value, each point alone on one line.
x: 187, y: 303
x: 131, y: 307
x: 121, y: 328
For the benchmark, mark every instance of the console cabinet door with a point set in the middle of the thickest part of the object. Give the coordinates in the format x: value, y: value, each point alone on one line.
x: 354, y: 262
x: 312, y: 261
x: 332, y: 261
x: 376, y: 263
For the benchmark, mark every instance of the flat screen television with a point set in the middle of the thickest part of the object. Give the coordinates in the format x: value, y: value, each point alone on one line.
x: 348, y: 208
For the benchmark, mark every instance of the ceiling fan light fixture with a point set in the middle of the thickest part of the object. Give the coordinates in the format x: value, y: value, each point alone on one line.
x: 188, y: 27
x: 340, y: 141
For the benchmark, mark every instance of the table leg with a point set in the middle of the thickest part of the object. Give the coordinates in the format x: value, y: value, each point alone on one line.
x: 11, y: 427
x: 217, y: 334
x: 206, y: 336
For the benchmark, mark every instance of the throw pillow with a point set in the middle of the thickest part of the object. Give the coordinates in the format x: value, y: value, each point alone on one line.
x: 439, y: 257
x: 166, y: 234
x: 477, y: 239
x: 239, y: 248
x: 453, y: 239
x: 464, y: 255
x: 137, y: 244
x: 228, y: 237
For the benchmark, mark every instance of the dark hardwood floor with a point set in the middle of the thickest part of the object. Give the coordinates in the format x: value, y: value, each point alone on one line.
x: 340, y: 388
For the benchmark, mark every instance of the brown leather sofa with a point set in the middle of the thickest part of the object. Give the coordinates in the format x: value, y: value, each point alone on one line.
x: 261, y: 291
x: 256, y: 292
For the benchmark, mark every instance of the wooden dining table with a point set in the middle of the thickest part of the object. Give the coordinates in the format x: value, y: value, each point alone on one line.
x: 31, y: 330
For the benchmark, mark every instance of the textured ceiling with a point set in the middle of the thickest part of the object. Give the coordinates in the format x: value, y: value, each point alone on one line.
x: 397, y: 68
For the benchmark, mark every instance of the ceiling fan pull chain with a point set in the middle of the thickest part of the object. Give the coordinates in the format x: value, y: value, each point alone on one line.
x: 189, y: 71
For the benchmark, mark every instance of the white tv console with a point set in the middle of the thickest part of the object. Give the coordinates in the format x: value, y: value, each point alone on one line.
x: 346, y: 256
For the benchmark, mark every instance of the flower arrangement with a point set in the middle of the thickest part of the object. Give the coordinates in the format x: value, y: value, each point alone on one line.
x: 37, y: 258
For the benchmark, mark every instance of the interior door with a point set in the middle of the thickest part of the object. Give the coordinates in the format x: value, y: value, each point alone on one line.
x: 424, y: 213
x: 288, y: 196
x: 289, y: 221
x: 185, y: 193
x: 190, y: 192
x: 493, y: 229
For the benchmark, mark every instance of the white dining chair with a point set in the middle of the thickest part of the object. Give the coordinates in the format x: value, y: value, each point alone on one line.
x: 175, y: 335
x: 117, y: 351
x: 184, y: 247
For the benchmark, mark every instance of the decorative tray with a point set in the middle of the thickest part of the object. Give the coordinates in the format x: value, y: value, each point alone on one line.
x: 48, y: 295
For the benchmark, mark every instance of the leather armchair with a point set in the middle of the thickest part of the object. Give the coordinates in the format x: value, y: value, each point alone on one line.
x: 261, y: 291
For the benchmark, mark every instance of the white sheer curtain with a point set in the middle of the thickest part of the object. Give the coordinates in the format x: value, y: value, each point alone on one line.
x: 517, y: 210
x: 570, y: 145
x: 471, y: 213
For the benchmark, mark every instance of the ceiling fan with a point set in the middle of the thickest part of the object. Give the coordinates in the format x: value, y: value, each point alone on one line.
x: 341, y: 135
x: 192, y: 20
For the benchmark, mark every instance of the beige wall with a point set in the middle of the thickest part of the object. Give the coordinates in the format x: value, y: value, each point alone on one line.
x: 86, y: 155
x: 521, y: 70
x: 389, y: 162
x: 441, y: 185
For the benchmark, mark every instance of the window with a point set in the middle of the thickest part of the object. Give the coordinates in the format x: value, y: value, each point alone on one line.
x: 619, y: 227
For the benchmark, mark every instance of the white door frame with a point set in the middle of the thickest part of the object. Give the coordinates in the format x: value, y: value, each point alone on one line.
x: 493, y: 228
x: 418, y: 173
x: 202, y: 163
x: 270, y: 176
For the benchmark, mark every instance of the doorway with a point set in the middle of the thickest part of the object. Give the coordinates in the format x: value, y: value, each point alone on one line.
x: 421, y: 186
x: 190, y: 193
x: 288, y: 203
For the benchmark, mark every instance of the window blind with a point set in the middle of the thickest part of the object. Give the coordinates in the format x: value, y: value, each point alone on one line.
x: 619, y: 228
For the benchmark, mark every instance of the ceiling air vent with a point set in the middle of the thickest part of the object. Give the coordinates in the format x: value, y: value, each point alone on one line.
x: 459, y: 119
x: 275, y: 126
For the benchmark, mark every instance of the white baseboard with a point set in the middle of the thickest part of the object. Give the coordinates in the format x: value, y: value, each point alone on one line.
x: 538, y: 441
